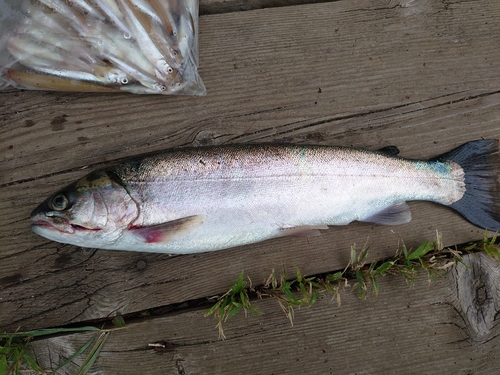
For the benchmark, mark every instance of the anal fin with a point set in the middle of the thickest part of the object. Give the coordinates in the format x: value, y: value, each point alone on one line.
x: 165, y: 231
x: 398, y: 213
x: 303, y: 231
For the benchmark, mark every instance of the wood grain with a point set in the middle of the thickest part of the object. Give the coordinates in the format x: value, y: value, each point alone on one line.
x: 421, y: 75
x: 477, y: 296
x: 410, y: 330
x: 226, y: 6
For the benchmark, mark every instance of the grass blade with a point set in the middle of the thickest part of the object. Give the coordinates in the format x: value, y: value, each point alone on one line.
x: 77, y: 353
x: 94, y: 353
x: 48, y: 331
x: 3, y: 364
x: 421, y: 251
x: 118, y: 321
x: 234, y: 311
x: 30, y: 361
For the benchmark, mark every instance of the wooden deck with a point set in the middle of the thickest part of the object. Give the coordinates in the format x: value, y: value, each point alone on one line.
x: 419, y: 74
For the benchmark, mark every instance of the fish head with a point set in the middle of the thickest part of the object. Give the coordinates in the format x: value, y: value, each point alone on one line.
x: 91, y: 212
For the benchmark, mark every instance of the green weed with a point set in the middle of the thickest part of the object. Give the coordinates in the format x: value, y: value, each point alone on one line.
x: 360, y: 276
x: 232, y: 302
x: 490, y: 246
x: 15, y: 356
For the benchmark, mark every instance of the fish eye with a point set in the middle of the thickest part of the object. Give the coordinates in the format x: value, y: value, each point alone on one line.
x: 59, y: 202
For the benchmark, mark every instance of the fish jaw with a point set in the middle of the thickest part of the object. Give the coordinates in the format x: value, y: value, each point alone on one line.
x: 52, y: 227
x: 43, y: 224
x: 52, y: 233
x: 61, y: 230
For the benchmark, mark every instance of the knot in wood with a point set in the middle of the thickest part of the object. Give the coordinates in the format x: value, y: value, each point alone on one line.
x: 477, y: 297
x: 141, y: 264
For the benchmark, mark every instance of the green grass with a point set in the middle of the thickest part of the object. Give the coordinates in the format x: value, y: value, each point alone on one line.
x: 363, y: 278
x: 15, y: 357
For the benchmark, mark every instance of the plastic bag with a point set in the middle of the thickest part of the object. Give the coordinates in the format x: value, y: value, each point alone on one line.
x: 137, y: 46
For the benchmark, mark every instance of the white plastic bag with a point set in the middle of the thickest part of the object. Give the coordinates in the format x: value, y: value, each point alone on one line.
x: 137, y: 46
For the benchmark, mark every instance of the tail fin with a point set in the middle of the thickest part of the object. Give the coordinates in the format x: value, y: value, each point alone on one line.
x: 480, y: 161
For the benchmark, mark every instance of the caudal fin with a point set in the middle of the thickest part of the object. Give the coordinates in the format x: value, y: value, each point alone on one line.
x: 480, y: 161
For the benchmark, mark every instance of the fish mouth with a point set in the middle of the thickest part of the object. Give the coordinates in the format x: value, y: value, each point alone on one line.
x: 59, y: 224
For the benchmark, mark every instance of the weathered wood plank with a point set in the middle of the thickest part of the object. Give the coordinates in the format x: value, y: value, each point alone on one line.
x: 411, y: 331
x: 424, y: 77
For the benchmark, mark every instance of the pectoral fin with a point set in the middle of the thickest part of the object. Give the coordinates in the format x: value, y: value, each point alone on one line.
x: 303, y: 231
x: 398, y: 213
x: 165, y: 231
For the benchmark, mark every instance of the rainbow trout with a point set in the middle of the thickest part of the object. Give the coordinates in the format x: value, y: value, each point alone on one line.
x: 204, y: 199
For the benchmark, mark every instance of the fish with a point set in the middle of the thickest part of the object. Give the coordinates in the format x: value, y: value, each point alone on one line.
x: 192, y: 200
x: 34, y: 81
x: 123, y: 44
x: 112, y: 11
x: 86, y: 9
x: 77, y: 20
x: 133, y: 17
